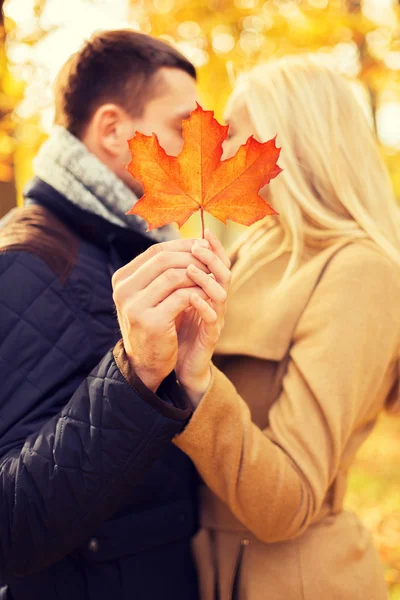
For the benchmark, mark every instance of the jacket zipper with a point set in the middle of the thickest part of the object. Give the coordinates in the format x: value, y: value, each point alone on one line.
x: 235, y: 580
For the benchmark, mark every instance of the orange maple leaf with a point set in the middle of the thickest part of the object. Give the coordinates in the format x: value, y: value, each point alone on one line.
x: 175, y: 187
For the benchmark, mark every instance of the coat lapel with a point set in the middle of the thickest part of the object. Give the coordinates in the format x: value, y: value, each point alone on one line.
x: 262, y: 315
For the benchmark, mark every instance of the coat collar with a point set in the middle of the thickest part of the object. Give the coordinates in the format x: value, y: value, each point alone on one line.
x: 262, y: 315
x: 67, y: 165
x: 85, y: 224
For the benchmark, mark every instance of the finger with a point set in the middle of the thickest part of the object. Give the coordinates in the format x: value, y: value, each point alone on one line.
x: 164, y: 285
x: 211, y: 287
x: 180, y: 245
x: 169, y: 309
x: 214, y: 264
x: 150, y: 271
x: 205, y: 311
x: 217, y: 247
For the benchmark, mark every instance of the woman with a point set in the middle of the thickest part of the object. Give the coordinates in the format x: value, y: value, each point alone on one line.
x: 309, y: 355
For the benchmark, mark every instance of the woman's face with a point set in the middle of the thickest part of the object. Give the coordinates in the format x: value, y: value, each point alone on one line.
x: 240, y: 128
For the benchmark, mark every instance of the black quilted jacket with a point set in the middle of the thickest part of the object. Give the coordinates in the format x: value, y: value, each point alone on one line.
x: 95, y: 501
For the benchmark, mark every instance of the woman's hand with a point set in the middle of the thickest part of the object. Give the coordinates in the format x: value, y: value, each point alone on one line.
x: 201, y: 324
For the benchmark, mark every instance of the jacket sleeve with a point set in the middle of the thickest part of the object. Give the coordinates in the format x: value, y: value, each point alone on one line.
x: 342, y: 365
x: 73, y: 439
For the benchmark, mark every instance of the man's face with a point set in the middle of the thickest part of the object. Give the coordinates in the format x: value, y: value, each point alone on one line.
x: 174, y: 100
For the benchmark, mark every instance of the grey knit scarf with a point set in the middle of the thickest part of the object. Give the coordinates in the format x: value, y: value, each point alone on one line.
x: 66, y: 164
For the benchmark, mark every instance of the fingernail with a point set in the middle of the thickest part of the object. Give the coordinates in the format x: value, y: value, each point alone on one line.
x: 203, y: 243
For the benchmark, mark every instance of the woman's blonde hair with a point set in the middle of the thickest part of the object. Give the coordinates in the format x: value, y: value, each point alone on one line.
x: 334, y: 183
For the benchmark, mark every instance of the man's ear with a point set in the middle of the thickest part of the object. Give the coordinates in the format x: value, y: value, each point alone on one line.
x: 109, y: 129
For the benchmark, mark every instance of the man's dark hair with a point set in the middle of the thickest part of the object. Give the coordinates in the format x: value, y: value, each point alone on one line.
x: 113, y: 66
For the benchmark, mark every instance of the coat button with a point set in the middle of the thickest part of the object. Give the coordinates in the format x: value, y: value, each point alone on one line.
x: 94, y: 545
x: 245, y: 542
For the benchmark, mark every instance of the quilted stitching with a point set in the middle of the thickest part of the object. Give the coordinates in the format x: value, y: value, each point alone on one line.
x: 52, y: 336
x: 45, y: 321
x: 68, y: 439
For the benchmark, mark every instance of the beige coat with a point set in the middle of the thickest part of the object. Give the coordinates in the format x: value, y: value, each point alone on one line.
x: 304, y: 370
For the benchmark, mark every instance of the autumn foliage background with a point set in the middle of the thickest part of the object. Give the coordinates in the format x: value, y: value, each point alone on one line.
x: 360, y: 38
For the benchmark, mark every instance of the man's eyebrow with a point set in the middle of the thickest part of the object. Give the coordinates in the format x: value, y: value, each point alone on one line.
x: 185, y: 116
x: 181, y: 114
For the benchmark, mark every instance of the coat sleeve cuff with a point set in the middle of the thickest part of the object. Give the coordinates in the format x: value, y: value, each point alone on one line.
x: 199, y: 432
x: 176, y: 404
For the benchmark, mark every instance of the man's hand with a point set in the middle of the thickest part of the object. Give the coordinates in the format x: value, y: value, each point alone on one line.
x: 150, y: 293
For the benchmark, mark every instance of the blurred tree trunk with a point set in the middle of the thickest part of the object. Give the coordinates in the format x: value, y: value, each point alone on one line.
x: 354, y: 7
x: 7, y: 187
x: 7, y: 197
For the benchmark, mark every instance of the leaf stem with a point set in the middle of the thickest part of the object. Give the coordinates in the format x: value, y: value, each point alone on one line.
x: 202, y: 222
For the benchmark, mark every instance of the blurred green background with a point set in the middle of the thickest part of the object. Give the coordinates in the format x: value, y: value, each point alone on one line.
x: 359, y: 38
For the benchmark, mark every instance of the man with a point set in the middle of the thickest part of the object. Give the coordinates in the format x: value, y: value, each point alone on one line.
x: 95, y: 502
